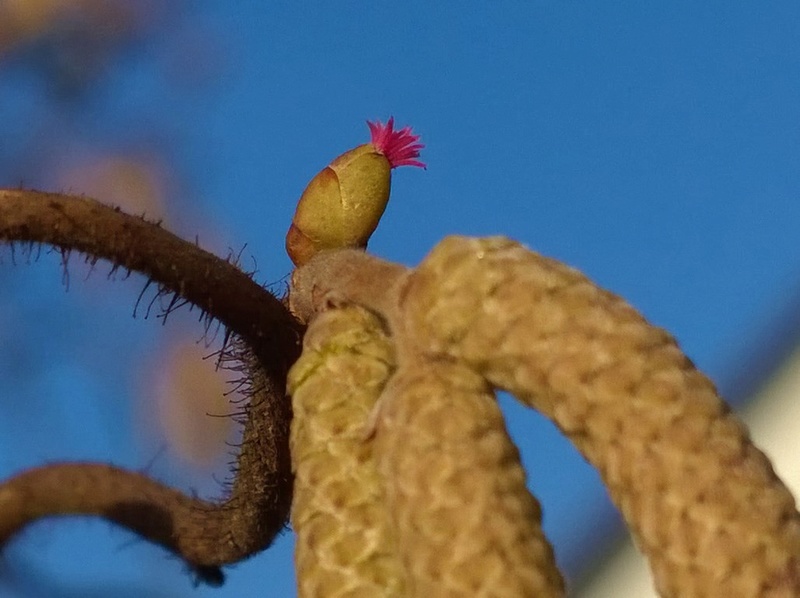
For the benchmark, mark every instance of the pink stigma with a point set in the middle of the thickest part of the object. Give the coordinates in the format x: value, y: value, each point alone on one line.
x: 401, y: 147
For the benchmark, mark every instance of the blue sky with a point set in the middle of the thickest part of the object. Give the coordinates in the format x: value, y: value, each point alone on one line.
x: 653, y: 146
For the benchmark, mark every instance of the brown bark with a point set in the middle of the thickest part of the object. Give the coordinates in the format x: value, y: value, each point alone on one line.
x: 266, y: 342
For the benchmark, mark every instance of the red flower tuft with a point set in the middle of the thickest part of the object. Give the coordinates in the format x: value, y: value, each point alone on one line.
x: 400, y: 147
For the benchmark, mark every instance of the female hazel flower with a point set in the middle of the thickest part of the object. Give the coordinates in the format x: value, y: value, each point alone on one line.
x: 342, y: 205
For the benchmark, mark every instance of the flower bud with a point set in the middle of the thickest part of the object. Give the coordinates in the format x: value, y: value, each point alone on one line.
x: 342, y: 205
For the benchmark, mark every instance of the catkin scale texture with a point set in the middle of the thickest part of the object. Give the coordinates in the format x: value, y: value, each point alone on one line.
x: 345, y: 546
x: 703, y: 502
x: 466, y: 524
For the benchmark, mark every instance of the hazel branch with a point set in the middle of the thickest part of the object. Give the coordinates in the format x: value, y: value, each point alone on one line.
x: 103, y: 232
x: 187, y: 526
x: 204, y: 534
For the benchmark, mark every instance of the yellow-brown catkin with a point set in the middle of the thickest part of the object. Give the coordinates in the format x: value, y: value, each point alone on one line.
x: 703, y: 502
x: 466, y: 524
x: 345, y: 547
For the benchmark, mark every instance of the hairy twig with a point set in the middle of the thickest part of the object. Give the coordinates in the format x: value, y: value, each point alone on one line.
x: 203, y: 533
x: 130, y: 242
x: 187, y: 526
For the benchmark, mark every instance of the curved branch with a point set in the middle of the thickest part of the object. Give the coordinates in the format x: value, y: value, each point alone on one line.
x: 203, y: 533
x: 161, y: 514
x: 214, y: 285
